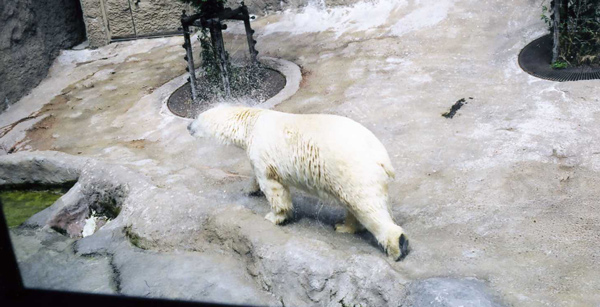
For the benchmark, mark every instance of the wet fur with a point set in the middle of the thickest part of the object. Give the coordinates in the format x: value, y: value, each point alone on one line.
x: 330, y: 156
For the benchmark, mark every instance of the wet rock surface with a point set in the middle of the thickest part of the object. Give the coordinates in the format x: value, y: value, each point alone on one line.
x: 450, y: 292
x: 236, y: 256
x: 47, y: 261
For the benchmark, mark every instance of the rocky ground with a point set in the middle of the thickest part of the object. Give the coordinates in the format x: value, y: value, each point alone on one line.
x: 500, y: 202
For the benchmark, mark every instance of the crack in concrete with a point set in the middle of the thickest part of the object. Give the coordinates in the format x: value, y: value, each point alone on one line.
x: 116, y: 278
x: 6, y: 129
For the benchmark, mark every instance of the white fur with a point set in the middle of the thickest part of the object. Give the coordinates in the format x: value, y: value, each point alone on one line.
x: 326, y: 155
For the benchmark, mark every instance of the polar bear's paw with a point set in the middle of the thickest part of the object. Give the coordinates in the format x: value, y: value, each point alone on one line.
x: 276, y: 218
x: 398, y: 249
x: 403, y: 242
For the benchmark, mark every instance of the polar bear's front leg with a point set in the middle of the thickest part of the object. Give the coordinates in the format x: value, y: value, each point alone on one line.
x: 280, y: 199
x: 252, y: 188
x: 350, y: 225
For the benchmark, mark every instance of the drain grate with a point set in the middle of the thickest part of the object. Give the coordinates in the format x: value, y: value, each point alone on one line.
x: 535, y: 59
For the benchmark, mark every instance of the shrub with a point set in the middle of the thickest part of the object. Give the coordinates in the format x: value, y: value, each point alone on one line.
x: 579, y: 31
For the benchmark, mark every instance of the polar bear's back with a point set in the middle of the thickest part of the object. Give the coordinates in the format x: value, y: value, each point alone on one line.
x: 339, y: 134
x: 319, y: 151
x: 347, y: 140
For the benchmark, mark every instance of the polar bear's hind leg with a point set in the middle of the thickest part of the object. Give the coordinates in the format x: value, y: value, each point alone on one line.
x: 373, y: 213
x: 280, y: 199
x: 350, y: 225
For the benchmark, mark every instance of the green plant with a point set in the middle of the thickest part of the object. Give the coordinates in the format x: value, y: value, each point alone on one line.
x: 579, y: 31
x: 133, y: 237
x: 559, y: 65
x: 20, y: 205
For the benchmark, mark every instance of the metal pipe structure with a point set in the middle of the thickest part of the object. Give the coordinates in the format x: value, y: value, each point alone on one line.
x: 213, y: 23
x: 249, y: 33
x: 189, y: 57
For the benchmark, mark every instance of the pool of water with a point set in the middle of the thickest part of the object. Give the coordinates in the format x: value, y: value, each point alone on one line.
x: 20, y: 205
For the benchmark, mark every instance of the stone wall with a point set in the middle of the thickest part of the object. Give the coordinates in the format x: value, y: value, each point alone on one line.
x: 95, y: 23
x: 107, y: 20
x: 32, y: 33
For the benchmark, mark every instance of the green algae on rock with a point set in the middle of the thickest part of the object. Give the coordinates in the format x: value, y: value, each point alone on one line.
x: 20, y: 205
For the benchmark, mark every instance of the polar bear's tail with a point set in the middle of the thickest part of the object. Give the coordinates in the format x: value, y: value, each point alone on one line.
x: 389, y: 169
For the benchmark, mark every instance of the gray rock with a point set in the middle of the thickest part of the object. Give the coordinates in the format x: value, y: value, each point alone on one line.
x: 304, y: 271
x: 211, y: 277
x: 172, y: 244
x: 31, y: 36
x: 46, y: 261
x: 42, y: 168
x: 44, y: 217
x: 447, y: 292
x: 69, y: 264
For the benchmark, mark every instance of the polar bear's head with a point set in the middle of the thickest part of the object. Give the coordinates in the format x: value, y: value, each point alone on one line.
x: 226, y: 123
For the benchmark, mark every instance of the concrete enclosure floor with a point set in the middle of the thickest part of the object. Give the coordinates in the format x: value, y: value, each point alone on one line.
x: 507, y: 191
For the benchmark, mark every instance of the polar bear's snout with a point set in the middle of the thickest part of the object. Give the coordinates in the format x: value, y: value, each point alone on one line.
x: 195, y: 128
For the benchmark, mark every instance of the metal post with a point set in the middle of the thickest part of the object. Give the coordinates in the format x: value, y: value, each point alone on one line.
x: 249, y: 32
x: 189, y: 57
x: 556, y: 22
x: 217, y: 40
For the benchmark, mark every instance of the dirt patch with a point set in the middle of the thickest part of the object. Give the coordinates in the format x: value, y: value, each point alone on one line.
x: 59, y: 100
x: 84, y: 106
x: 55, y: 103
x: 305, y: 75
x: 138, y: 144
x: 40, y: 133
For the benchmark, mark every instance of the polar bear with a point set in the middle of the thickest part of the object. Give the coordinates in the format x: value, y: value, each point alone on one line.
x: 329, y: 156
